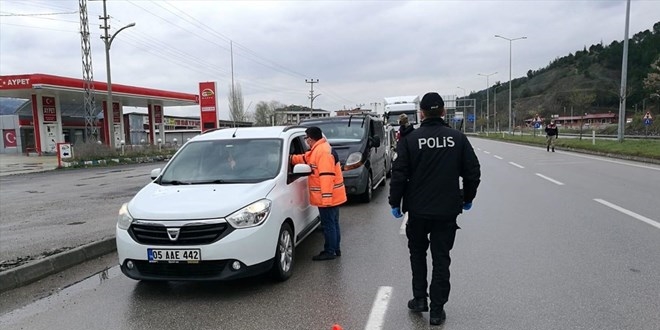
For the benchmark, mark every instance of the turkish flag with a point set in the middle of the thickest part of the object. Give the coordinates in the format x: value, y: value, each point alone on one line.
x: 9, y: 135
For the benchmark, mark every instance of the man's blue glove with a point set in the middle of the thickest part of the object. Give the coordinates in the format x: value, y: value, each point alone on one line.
x: 396, y: 212
x: 467, y: 206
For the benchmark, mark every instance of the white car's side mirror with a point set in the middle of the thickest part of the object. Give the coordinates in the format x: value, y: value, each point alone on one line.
x: 155, y: 173
x: 302, y: 170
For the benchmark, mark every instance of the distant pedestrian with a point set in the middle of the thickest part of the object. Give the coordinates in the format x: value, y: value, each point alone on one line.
x: 552, y: 133
x: 326, y: 188
x: 426, y: 176
x: 404, y: 126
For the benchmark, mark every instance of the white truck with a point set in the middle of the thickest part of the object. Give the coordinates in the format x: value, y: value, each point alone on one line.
x: 396, y: 105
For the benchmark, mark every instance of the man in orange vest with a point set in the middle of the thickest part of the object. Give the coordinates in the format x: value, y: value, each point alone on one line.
x: 326, y: 188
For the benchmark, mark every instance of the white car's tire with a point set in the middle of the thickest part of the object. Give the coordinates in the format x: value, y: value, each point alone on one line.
x: 284, y: 254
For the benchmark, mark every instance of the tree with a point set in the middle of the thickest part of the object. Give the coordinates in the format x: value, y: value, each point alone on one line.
x: 581, y: 101
x: 262, y: 114
x: 236, y: 108
x: 279, y: 118
x: 266, y: 114
x: 652, y: 80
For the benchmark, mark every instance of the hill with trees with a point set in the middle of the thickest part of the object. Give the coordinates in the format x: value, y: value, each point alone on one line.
x: 587, y: 81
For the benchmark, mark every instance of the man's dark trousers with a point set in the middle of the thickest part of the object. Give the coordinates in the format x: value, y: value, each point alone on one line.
x: 442, y: 232
x: 330, y: 221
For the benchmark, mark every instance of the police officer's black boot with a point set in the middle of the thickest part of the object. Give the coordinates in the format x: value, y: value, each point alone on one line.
x: 437, y: 318
x: 418, y: 305
x: 553, y: 149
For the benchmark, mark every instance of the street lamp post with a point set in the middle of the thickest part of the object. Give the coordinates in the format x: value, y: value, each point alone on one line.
x: 510, y: 42
x: 459, y: 87
x: 487, y: 97
x: 107, y: 39
x: 311, y: 83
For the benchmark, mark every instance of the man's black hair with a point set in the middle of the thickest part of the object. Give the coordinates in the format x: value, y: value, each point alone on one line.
x: 314, y: 133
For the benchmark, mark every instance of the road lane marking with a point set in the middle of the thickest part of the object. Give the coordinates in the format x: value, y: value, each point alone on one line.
x: 550, y: 179
x: 402, y: 230
x: 630, y: 213
x: 487, y: 152
x: 498, y: 157
x: 378, y: 309
x: 516, y: 165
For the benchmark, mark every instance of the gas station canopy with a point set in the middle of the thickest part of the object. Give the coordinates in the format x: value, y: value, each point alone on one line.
x: 53, y: 97
x: 70, y: 90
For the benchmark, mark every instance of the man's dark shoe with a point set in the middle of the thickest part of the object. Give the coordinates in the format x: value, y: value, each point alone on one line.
x: 338, y: 253
x: 553, y: 149
x: 418, y: 305
x: 437, y: 318
x: 323, y: 256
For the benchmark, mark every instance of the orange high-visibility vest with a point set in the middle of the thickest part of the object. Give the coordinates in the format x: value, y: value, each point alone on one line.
x: 326, y: 183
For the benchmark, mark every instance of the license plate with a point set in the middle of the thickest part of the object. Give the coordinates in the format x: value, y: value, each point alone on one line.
x: 174, y: 255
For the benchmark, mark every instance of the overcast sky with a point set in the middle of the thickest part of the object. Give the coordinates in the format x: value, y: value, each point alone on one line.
x: 360, y: 51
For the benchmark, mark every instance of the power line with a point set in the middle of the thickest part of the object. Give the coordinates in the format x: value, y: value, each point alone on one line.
x: 40, y: 14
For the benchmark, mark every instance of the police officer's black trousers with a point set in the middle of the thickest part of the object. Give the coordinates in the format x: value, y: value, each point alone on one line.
x: 441, y: 231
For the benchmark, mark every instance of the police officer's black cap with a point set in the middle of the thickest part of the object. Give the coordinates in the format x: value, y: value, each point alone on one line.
x: 432, y: 102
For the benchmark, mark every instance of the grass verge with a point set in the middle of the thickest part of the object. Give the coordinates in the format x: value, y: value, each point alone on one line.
x: 628, y: 148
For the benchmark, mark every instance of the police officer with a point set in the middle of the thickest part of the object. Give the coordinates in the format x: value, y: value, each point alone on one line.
x: 425, y: 176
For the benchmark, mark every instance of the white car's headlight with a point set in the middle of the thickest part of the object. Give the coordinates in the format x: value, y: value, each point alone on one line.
x: 124, y: 219
x: 251, y: 215
x: 353, y: 161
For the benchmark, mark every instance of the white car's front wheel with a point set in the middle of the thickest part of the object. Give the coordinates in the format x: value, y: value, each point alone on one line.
x: 284, y: 254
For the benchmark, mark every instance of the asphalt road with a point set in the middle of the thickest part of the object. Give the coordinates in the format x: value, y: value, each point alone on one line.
x: 553, y: 241
x: 46, y: 212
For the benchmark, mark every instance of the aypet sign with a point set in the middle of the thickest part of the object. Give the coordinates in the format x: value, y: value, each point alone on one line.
x: 49, y: 109
x: 208, y: 105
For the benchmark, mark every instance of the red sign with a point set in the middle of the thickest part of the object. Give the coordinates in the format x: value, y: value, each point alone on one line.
x: 208, y: 105
x: 48, y: 106
x: 158, y: 114
x: 9, y: 135
x: 116, y: 114
x: 15, y: 82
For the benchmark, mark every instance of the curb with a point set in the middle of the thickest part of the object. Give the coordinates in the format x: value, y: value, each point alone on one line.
x: 34, y: 271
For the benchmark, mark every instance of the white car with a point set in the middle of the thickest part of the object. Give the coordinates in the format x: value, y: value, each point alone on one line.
x: 227, y: 205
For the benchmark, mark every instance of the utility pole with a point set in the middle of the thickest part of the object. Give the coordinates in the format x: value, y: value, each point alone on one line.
x: 624, y: 77
x: 311, y: 82
x: 231, y: 52
x: 487, y: 97
x: 510, y: 42
x: 89, y: 102
x: 107, y: 40
x: 495, y: 123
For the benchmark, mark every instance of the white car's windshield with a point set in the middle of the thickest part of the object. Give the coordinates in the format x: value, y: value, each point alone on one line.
x: 225, y: 161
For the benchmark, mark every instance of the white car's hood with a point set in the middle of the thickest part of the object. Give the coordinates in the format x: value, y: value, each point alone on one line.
x: 186, y: 202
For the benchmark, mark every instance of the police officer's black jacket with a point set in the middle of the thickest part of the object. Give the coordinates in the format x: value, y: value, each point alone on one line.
x: 426, y: 171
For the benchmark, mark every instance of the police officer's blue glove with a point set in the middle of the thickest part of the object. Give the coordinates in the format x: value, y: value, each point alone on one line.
x: 467, y: 206
x: 396, y: 212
